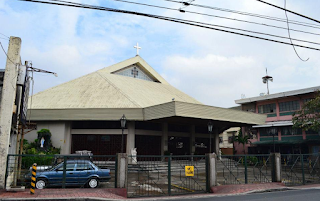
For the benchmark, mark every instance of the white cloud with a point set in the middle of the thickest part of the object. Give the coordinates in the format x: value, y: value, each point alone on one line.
x: 214, y: 67
x: 213, y: 79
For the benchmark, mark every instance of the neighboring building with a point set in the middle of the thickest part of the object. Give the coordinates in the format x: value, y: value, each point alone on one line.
x: 84, y: 114
x: 279, y: 108
x: 226, y: 140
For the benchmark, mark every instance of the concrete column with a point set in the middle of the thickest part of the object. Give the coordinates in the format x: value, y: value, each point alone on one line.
x: 212, y: 169
x: 66, y: 149
x: 122, y: 170
x: 164, y: 138
x: 216, y: 141
x: 277, y: 167
x: 7, y: 102
x: 131, y: 137
x: 192, y: 139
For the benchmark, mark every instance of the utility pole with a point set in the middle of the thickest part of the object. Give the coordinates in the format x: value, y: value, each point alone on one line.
x: 8, y: 103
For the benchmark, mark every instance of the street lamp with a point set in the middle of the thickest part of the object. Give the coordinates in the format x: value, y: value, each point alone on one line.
x: 274, y: 132
x: 210, y: 125
x: 123, y: 121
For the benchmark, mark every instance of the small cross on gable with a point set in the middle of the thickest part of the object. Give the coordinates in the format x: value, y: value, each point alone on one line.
x: 134, y: 72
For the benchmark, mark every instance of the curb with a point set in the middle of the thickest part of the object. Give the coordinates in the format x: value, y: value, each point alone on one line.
x: 158, y: 198
x: 62, y: 199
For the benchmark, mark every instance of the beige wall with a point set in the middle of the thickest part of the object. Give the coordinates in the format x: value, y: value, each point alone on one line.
x: 225, y: 136
x: 60, y: 131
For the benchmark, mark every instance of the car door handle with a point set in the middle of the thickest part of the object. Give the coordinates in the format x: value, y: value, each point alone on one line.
x: 71, y: 173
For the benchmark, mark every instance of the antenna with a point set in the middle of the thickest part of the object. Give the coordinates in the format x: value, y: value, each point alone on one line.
x: 266, y: 80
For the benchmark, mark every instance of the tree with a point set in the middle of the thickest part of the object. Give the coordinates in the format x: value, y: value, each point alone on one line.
x: 308, y: 118
x: 242, y: 140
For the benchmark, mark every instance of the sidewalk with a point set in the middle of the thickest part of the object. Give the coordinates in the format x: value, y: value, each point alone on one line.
x: 86, y: 194
x: 67, y: 194
x: 247, y: 188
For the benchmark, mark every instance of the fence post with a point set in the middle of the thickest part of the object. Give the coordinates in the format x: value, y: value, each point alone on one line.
x: 207, y: 174
x: 245, y: 170
x: 64, y: 172
x: 116, y: 171
x: 212, y: 169
x: 6, y: 175
x: 302, y: 169
x: 276, y: 167
x: 169, y: 175
x: 33, y: 178
x: 122, y: 170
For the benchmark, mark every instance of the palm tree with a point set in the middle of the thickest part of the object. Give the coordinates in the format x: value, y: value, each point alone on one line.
x: 242, y: 140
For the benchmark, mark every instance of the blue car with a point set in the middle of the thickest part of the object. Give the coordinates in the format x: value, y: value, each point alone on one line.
x: 78, y: 173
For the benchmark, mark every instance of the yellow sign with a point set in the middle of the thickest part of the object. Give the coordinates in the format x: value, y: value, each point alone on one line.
x: 189, y: 171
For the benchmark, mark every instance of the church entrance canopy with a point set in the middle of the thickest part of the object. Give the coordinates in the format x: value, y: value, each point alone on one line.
x: 174, y: 111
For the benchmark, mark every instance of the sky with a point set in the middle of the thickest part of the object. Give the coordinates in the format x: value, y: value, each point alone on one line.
x: 214, y: 67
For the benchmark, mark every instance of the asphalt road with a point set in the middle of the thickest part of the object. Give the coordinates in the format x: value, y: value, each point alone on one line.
x: 290, y: 195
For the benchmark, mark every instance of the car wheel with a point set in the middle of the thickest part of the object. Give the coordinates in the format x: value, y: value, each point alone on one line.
x: 41, y: 184
x: 93, y: 183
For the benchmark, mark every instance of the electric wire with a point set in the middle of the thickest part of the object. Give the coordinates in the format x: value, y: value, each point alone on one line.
x: 249, y: 14
x: 238, y: 29
x: 285, y: 5
x: 4, y: 38
x: 6, y: 53
x: 5, y: 35
x: 181, y: 21
x: 309, y: 18
x: 216, y: 16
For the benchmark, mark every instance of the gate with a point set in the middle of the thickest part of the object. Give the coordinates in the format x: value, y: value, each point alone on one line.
x: 300, y: 169
x: 166, y: 175
x: 237, y: 169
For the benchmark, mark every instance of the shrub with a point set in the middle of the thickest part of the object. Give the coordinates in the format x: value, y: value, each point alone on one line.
x: 252, y: 160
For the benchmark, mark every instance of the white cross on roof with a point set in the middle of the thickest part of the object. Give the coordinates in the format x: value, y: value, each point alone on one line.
x: 137, y: 47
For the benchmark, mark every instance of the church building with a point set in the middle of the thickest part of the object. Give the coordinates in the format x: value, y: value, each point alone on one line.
x: 84, y: 114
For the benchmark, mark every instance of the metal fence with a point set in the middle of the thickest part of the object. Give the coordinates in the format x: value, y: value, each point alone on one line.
x: 244, y: 169
x: 62, y: 171
x: 166, y: 175
x: 300, y: 169
x: 159, y: 175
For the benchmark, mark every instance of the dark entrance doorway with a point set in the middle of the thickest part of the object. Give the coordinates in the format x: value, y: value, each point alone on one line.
x: 98, y: 144
x: 148, y: 145
x: 179, y: 145
x: 202, y: 146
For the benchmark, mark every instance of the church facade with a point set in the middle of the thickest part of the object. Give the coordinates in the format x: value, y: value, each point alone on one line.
x: 84, y: 114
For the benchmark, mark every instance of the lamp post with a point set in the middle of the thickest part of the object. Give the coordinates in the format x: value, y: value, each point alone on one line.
x: 274, y: 132
x: 123, y: 121
x: 210, y: 125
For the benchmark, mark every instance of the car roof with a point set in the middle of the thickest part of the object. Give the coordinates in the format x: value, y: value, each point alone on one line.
x: 78, y: 161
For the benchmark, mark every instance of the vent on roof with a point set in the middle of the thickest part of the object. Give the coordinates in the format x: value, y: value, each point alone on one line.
x: 135, y: 72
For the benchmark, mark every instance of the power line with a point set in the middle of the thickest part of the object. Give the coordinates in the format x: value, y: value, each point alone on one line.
x: 4, y: 38
x: 238, y: 29
x: 309, y: 18
x: 249, y: 14
x: 245, y: 21
x: 285, y: 3
x: 181, y: 21
x: 217, y: 16
x: 5, y: 35
x: 6, y: 53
